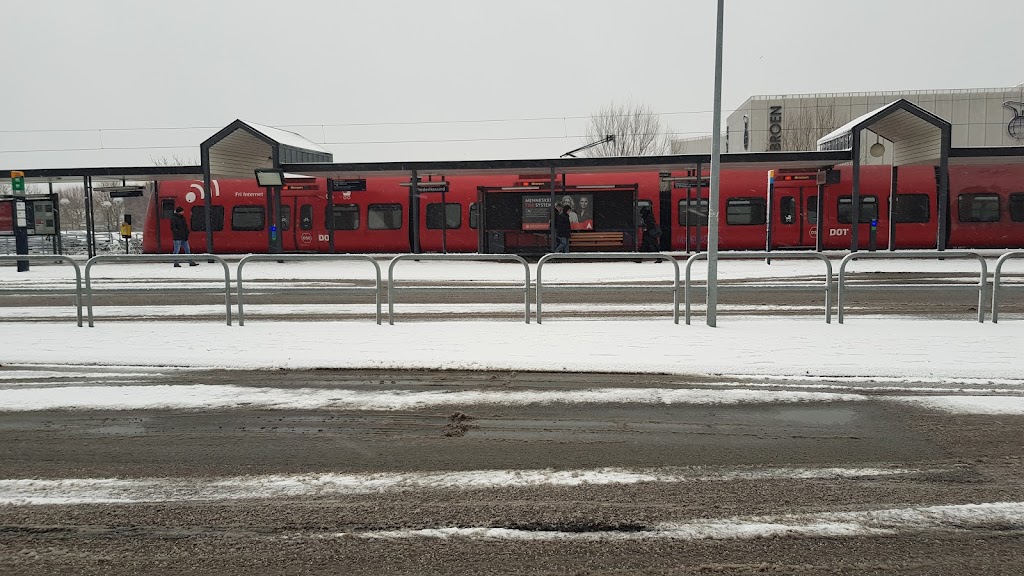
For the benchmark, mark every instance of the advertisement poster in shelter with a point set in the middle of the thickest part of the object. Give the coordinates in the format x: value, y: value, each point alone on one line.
x: 537, y: 211
x: 6, y: 217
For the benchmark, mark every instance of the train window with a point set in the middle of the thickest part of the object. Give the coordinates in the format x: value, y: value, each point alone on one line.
x: 745, y: 211
x: 693, y: 212
x: 167, y: 208
x: 474, y: 215
x: 306, y: 217
x: 248, y: 218
x: 452, y: 212
x: 346, y: 217
x: 787, y: 210
x: 286, y: 217
x: 978, y: 207
x: 811, y: 214
x: 868, y: 209
x: 197, y: 218
x: 1017, y: 207
x: 384, y: 217
x: 911, y: 209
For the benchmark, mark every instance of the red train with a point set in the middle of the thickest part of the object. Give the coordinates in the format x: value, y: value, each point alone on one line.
x: 986, y: 210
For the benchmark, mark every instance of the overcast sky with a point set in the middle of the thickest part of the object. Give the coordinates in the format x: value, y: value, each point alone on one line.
x: 394, y: 80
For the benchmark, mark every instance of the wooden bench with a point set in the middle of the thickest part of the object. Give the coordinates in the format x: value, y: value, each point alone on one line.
x: 591, y: 241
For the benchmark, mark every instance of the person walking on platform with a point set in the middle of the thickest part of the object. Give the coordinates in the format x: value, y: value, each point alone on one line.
x: 180, y: 232
x: 562, y: 229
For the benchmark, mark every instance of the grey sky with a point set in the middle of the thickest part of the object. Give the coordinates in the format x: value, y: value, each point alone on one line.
x: 128, y: 64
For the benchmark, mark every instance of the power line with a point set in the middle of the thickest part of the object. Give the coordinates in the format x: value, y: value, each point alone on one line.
x: 350, y: 143
x: 354, y: 124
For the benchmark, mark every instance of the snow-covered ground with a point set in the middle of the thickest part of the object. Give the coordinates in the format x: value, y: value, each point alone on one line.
x: 904, y: 352
x: 948, y: 366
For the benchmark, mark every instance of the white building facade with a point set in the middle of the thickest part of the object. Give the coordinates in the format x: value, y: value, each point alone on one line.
x: 794, y: 122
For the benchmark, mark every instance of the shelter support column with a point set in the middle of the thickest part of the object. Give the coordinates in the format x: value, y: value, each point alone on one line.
x: 414, y: 204
x: 893, y: 180
x: 855, y: 197
x: 551, y: 226
x: 943, y: 212
x: 819, y: 212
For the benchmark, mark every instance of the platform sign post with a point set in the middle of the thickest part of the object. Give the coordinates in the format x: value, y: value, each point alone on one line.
x: 20, y: 218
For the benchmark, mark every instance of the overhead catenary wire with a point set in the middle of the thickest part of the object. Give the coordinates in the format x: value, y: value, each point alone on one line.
x: 349, y: 143
x: 357, y: 124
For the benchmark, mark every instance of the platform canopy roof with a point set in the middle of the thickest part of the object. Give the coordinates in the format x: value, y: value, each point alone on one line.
x: 668, y: 163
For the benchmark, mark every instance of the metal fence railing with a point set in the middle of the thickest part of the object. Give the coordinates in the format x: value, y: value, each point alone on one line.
x: 84, y: 292
x: 299, y: 290
x: 89, y: 291
x: 52, y: 258
x: 997, y: 286
x: 674, y: 288
x: 394, y: 287
x: 845, y: 288
x: 826, y: 287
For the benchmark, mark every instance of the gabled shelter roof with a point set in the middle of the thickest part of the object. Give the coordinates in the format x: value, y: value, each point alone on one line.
x: 917, y: 134
x: 241, y: 147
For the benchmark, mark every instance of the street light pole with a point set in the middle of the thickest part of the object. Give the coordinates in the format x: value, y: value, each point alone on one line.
x: 716, y: 168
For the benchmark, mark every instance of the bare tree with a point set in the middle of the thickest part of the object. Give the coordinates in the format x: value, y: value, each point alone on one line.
x: 804, y: 128
x: 174, y: 160
x: 72, y: 207
x: 637, y: 130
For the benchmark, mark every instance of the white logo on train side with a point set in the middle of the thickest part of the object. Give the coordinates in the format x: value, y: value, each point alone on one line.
x: 831, y: 232
x: 191, y: 197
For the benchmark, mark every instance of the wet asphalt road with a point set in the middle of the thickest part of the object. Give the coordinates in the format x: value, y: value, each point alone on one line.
x: 961, y: 460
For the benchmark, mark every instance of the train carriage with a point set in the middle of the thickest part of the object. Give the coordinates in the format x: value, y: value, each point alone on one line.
x: 986, y: 210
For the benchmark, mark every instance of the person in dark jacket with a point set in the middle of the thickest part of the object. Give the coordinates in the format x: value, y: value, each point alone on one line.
x: 563, y: 226
x: 179, y: 232
x: 650, y: 241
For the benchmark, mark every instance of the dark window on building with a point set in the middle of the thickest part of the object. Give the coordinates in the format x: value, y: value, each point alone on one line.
x: 746, y: 132
x: 868, y: 209
x: 450, y: 212
x: 197, y: 218
x: 911, y: 209
x: 1017, y: 207
x: 474, y: 215
x: 693, y: 212
x: 384, y: 217
x: 286, y: 217
x: 811, y: 214
x: 746, y: 211
x: 978, y: 207
x: 166, y: 208
x: 306, y: 217
x: 248, y: 218
x: 787, y: 210
x: 346, y: 217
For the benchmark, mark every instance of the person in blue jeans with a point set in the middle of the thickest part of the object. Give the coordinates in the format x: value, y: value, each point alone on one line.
x: 563, y: 227
x: 180, y: 232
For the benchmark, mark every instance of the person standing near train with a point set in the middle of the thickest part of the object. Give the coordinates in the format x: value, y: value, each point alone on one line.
x: 563, y: 228
x: 652, y: 233
x: 180, y: 232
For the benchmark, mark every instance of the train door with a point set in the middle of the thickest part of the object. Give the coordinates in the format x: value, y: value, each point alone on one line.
x: 285, y: 227
x: 691, y: 203
x: 809, y: 217
x: 307, y: 238
x: 791, y: 227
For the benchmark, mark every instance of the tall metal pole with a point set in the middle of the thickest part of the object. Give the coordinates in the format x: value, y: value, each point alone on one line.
x: 716, y: 168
